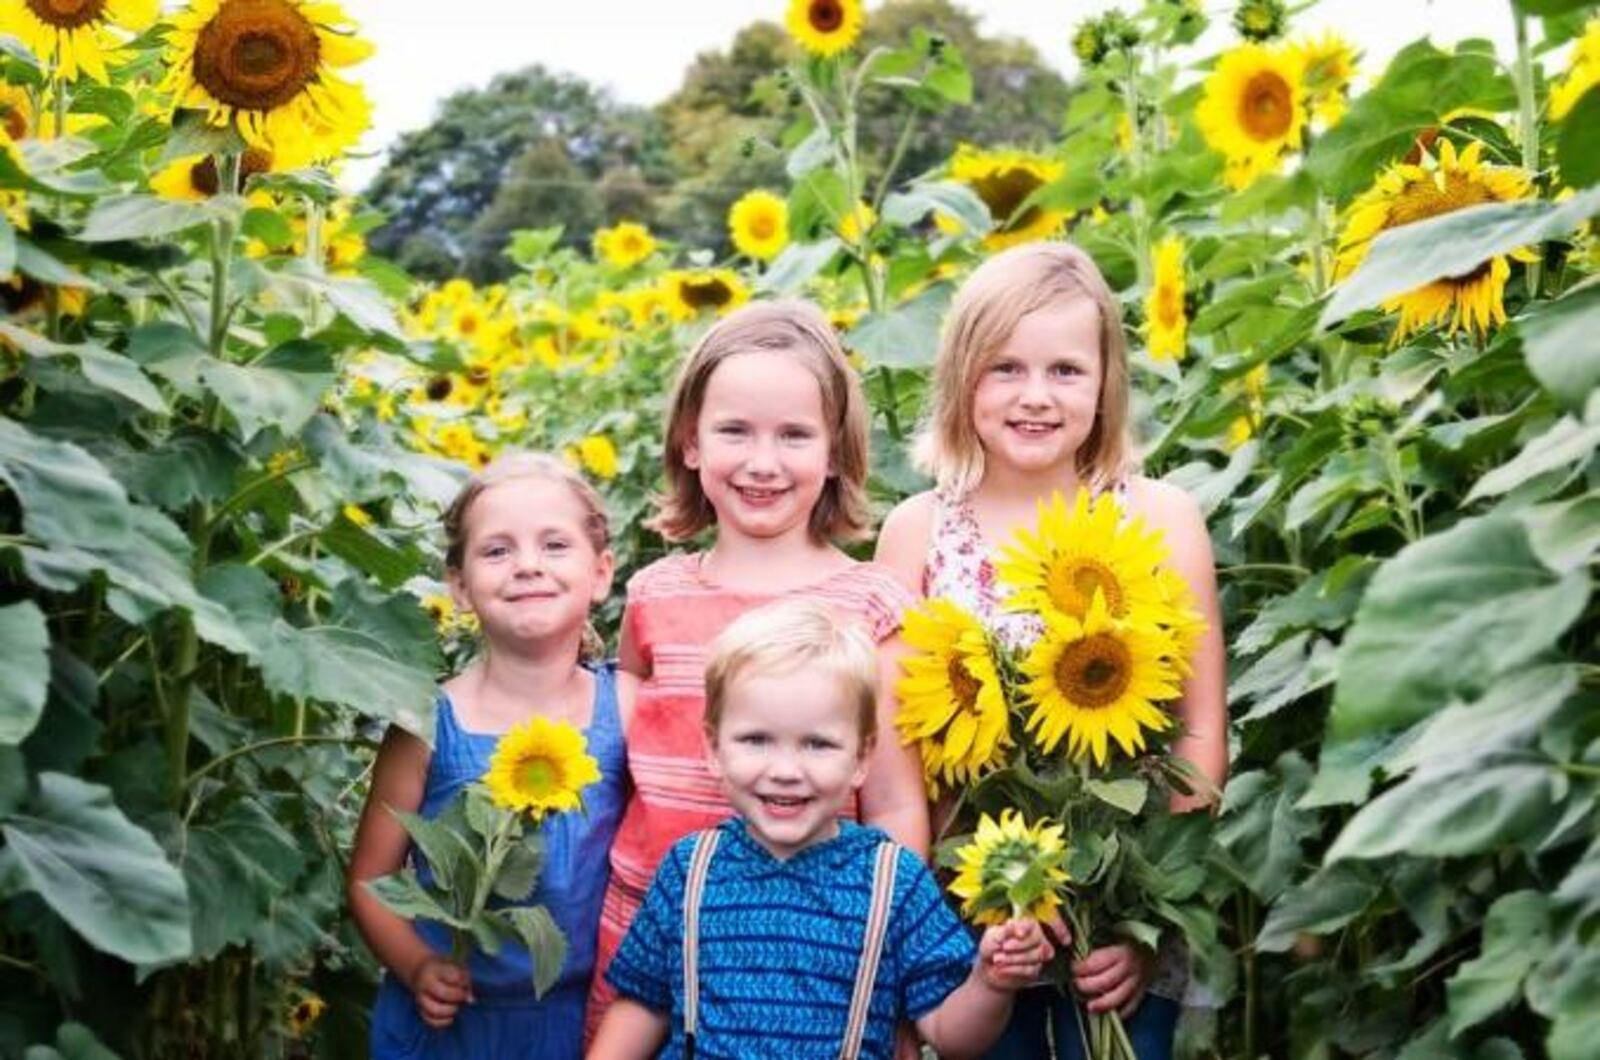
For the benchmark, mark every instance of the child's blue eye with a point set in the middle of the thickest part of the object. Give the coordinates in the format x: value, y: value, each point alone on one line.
x: 820, y: 743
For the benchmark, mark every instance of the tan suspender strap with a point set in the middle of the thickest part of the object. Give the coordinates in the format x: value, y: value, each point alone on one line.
x: 871, y: 948
x: 699, y: 864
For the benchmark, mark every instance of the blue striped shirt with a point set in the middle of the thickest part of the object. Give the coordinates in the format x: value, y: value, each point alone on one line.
x: 779, y: 945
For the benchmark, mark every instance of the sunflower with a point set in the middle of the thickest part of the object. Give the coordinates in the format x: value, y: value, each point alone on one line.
x: 540, y: 766
x: 1004, y: 180
x: 1583, y: 72
x: 1097, y: 680
x: 76, y: 35
x: 697, y: 290
x: 303, y: 1014
x: 1327, y: 65
x: 1011, y: 868
x: 1163, y: 306
x: 951, y: 700
x: 16, y: 112
x: 1413, y: 192
x: 194, y: 177
x: 624, y: 244
x: 759, y: 225
x: 825, y: 27
x: 1260, y: 20
x: 1074, y: 556
x: 598, y: 456
x: 269, y: 68
x: 854, y: 228
x: 1252, y: 110
x: 447, y: 618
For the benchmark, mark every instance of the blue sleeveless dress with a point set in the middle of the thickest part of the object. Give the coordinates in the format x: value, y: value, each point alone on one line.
x: 506, y: 1021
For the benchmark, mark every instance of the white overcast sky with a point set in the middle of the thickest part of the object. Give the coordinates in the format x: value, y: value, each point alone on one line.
x: 427, y: 49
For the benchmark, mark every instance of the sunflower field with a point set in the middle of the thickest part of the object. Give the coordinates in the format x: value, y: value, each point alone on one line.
x: 1363, y: 304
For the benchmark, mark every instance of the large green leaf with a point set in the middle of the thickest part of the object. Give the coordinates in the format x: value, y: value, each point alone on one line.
x: 544, y: 941
x: 403, y: 895
x: 1578, y: 148
x: 191, y: 464
x: 1261, y: 827
x: 111, y: 372
x: 74, y: 1041
x: 1323, y: 903
x: 143, y: 216
x: 1451, y: 814
x: 1511, y: 715
x: 1515, y: 934
x: 1558, y: 340
x: 25, y: 644
x: 949, y: 197
x: 1566, y: 443
x: 282, y: 389
x: 1420, y: 85
x: 104, y: 875
x: 236, y: 867
x: 67, y: 495
x: 797, y: 263
x: 1443, y: 618
x: 906, y: 336
x: 1565, y: 534
x: 1452, y: 244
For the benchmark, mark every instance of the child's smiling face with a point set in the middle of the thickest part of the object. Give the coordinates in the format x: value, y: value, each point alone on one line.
x: 761, y: 445
x: 789, y: 751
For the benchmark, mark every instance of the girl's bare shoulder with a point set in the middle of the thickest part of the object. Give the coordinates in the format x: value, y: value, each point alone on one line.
x: 905, y: 535
x: 1164, y: 505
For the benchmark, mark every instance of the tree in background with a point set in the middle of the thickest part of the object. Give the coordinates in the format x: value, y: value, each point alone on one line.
x: 532, y: 149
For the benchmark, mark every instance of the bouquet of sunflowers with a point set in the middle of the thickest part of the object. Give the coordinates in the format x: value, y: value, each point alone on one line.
x: 1050, y: 725
x: 484, y: 850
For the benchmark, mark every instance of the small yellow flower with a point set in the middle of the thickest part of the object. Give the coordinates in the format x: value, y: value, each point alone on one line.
x: 825, y: 27
x: 303, y: 1014
x: 1011, y: 868
x: 540, y: 766
x: 598, y: 456
x: 358, y: 515
x: 1165, y: 322
x: 854, y: 227
x: 759, y: 225
x: 1253, y: 110
x: 625, y: 244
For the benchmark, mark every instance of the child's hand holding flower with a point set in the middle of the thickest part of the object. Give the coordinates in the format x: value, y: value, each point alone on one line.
x: 1012, y: 955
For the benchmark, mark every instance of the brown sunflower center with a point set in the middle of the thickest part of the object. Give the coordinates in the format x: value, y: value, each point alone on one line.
x: 825, y: 16
x: 256, y: 54
x: 67, y: 14
x: 1095, y: 671
x: 204, y: 178
x: 14, y: 120
x: 536, y: 777
x: 478, y: 375
x: 1266, y: 107
x: 964, y: 688
x: 763, y: 226
x: 705, y: 294
x: 1168, y: 306
x: 1003, y: 190
x: 1421, y: 199
x: 439, y: 388
x: 1071, y: 586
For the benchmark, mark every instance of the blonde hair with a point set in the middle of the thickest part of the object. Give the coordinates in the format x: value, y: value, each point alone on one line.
x: 985, y: 312
x: 800, y: 330
x: 528, y: 465
x: 786, y: 636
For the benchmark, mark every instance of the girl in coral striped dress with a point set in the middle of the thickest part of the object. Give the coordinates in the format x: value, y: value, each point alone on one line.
x: 767, y: 446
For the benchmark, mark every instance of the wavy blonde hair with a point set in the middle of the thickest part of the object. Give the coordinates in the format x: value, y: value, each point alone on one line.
x: 985, y: 312
x: 799, y: 330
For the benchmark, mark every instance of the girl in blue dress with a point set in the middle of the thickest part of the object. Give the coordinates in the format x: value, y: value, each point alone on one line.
x: 528, y: 554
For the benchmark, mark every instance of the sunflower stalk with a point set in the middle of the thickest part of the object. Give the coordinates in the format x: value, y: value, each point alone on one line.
x: 1527, y: 126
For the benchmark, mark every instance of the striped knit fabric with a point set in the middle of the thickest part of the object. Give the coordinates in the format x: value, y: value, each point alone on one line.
x: 780, y: 942
x: 672, y: 614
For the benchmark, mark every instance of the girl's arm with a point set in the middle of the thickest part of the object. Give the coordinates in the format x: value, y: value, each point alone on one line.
x: 893, y: 797
x: 1203, y: 707
x: 903, y: 541
x: 628, y: 1031
x: 398, y: 777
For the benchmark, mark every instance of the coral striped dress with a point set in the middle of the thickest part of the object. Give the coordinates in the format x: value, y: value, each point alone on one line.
x: 672, y: 615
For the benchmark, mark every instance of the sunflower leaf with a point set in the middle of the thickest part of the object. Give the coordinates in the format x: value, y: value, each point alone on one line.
x: 544, y: 940
x: 1578, y: 150
x: 521, y: 869
x: 1556, y: 339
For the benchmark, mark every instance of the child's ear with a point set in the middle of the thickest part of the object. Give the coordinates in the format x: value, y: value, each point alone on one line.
x: 458, y: 589
x: 710, y: 736
x: 691, y: 455
x: 860, y: 776
x: 605, y: 569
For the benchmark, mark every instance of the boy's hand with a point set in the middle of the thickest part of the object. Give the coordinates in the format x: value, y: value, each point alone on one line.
x: 1011, y: 955
x: 1114, y: 977
x: 440, y: 987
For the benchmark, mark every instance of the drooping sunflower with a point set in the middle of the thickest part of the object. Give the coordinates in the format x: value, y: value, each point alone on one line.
x: 624, y: 244
x: 1074, y: 555
x: 1163, y: 306
x: 269, y: 67
x: 194, y: 177
x: 1260, y: 20
x: 825, y: 27
x: 77, y: 36
x: 1327, y: 65
x: 952, y: 704
x: 696, y: 290
x: 1011, y: 868
x: 1252, y: 110
x: 1406, y: 193
x: 1097, y: 680
x: 759, y: 225
x: 540, y: 766
x: 1583, y: 72
x: 1004, y: 180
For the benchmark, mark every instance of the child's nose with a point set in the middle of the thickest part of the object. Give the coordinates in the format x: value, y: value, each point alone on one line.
x: 763, y: 458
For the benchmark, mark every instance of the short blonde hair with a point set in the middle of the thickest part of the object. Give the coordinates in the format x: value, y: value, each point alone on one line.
x: 800, y: 330
x: 783, y: 637
x: 985, y: 312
